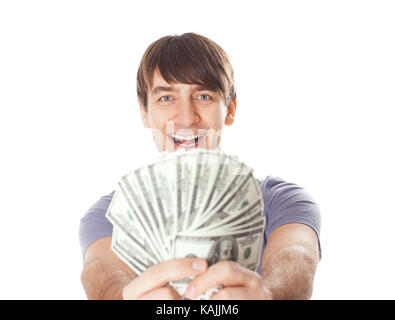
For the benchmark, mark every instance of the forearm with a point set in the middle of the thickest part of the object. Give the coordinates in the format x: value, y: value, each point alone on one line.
x: 104, y: 281
x: 289, y: 274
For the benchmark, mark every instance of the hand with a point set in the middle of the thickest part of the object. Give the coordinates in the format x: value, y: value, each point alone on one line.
x: 151, y: 284
x: 238, y: 283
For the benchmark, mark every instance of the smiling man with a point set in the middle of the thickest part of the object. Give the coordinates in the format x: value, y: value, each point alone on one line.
x: 186, y: 94
x: 185, y: 115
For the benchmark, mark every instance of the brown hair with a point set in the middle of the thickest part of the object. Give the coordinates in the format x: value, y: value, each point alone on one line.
x: 188, y: 58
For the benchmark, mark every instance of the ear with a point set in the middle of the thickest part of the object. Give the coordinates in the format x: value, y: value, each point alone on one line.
x: 144, y: 116
x: 230, y: 114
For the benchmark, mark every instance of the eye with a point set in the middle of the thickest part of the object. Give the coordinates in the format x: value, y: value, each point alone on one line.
x: 165, y: 99
x: 204, y: 97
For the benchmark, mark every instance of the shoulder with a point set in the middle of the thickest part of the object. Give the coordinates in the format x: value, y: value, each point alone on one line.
x: 279, y: 194
x: 99, y: 208
x: 287, y: 202
x: 94, y: 225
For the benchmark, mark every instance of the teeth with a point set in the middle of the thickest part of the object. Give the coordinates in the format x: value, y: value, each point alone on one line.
x: 185, y: 145
x: 174, y: 136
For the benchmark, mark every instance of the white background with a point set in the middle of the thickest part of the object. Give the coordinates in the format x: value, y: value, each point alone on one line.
x: 316, y: 92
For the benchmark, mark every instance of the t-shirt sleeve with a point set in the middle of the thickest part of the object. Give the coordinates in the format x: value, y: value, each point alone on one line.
x: 287, y: 202
x: 94, y: 225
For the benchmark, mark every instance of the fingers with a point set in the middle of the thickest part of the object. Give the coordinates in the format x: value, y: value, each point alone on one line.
x: 226, y: 273
x: 160, y: 274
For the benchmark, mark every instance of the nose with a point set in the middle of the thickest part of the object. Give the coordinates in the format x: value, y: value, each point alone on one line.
x: 187, y: 115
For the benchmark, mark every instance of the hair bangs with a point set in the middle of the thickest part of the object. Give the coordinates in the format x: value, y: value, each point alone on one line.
x: 190, y: 59
x: 186, y: 62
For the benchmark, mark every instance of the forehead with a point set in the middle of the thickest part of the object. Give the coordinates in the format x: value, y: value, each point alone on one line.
x: 159, y: 81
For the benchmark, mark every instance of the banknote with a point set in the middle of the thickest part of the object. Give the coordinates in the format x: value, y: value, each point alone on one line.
x: 134, y: 193
x: 184, y: 204
x: 131, y: 254
x: 243, y: 247
x: 119, y: 213
x: 240, y: 195
x: 228, y: 219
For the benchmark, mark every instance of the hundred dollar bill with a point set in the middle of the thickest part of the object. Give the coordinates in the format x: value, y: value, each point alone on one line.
x: 253, y: 221
x: 127, y: 250
x: 141, y: 215
x: 229, y: 178
x: 199, y: 189
x: 208, y: 164
x: 222, y: 179
x: 254, y: 226
x: 195, y: 203
x: 186, y: 166
x: 242, y: 247
x: 228, y: 218
x: 148, y: 185
x: 119, y: 214
x: 236, y: 199
x: 163, y: 186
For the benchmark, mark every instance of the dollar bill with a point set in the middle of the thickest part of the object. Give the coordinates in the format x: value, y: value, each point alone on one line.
x: 119, y: 214
x: 141, y: 216
x: 242, y: 247
x: 131, y: 254
x: 210, y: 164
x: 195, y: 203
x: 227, y: 219
x: 239, y: 196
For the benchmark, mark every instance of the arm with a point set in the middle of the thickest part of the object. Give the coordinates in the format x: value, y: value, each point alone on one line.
x: 288, y: 266
x: 104, y: 275
x: 289, y: 262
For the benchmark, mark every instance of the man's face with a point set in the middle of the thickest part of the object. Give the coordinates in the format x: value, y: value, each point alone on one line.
x: 185, y: 116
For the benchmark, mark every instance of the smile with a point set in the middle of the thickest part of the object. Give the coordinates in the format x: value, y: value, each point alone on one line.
x: 186, y: 141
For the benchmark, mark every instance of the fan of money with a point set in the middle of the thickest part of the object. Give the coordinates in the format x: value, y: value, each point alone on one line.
x: 195, y: 203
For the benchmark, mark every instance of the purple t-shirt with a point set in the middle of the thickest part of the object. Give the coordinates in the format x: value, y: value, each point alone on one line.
x: 284, y: 203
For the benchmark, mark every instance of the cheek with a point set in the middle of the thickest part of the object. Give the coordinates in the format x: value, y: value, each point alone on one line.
x: 214, y: 118
x: 158, y: 120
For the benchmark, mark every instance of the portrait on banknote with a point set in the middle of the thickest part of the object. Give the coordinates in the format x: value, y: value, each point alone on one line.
x: 225, y: 248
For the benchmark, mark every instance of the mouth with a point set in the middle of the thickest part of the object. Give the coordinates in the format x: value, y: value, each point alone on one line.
x: 191, y: 141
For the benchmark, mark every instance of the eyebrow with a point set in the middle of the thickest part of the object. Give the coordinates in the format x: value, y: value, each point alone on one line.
x: 159, y: 89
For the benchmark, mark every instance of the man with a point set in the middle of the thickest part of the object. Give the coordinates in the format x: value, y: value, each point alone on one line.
x: 186, y: 94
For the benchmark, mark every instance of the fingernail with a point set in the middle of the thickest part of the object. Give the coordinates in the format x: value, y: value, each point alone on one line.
x: 191, y: 292
x: 198, y: 265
